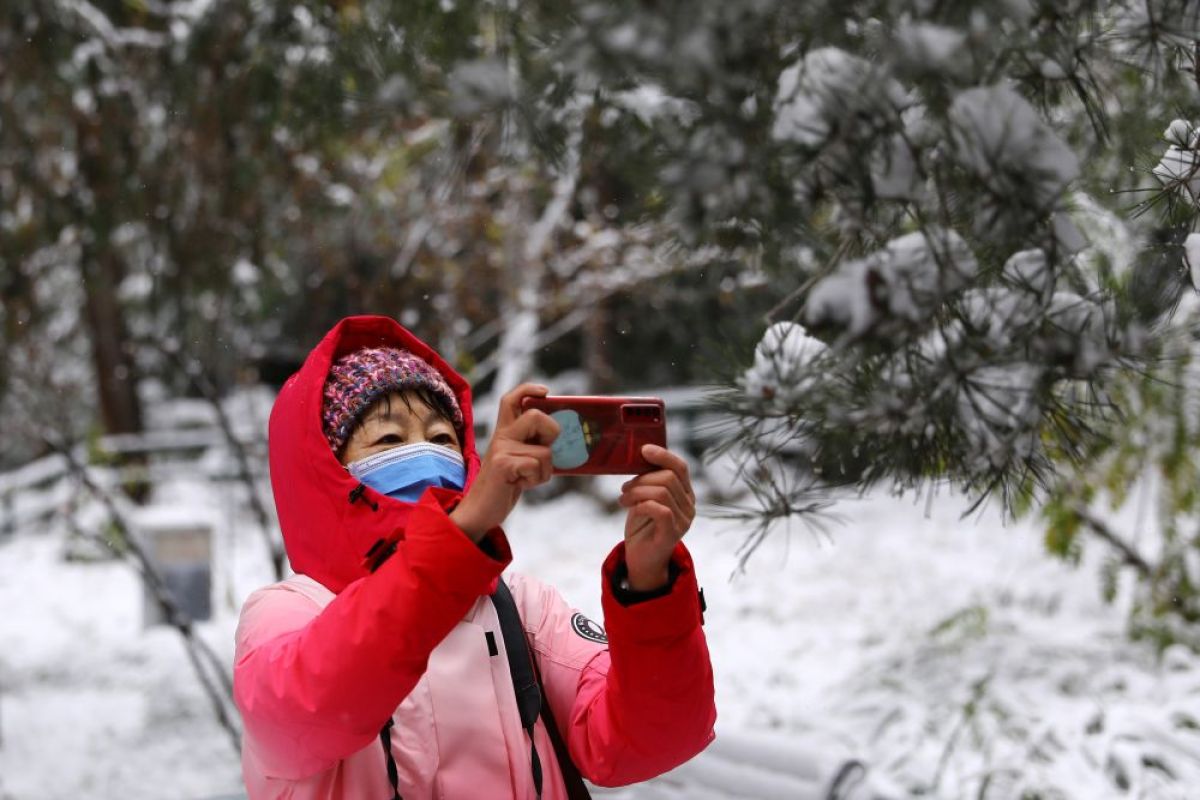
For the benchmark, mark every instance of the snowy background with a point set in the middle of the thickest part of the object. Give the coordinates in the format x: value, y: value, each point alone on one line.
x: 947, y: 653
x: 915, y: 244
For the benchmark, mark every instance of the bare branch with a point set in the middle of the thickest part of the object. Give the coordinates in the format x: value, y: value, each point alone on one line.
x: 1101, y: 530
x: 110, y: 34
x: 201, y: 382
x: 198, y: 651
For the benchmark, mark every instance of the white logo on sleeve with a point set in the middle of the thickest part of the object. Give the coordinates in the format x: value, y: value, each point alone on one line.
x: 588, y: 629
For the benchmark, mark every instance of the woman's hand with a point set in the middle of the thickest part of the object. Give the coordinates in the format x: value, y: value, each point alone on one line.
x: 661, y: 507
x: 518, y: 458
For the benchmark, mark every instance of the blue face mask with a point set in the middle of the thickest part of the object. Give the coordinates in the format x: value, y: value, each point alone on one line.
x: 405, y: 472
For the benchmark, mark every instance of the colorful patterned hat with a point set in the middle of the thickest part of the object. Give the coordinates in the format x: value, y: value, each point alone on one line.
x: 358, y: 379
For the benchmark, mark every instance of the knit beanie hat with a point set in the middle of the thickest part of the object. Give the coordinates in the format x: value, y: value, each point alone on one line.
x: 358, y: 379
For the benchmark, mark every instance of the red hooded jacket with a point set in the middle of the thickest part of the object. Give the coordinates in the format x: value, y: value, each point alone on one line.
x: 325, y: 658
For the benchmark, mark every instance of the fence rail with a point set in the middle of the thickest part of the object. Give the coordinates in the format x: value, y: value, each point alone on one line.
x: 34, y: 491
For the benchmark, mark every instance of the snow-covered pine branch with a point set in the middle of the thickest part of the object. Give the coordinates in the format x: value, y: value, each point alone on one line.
x: 954, y: 320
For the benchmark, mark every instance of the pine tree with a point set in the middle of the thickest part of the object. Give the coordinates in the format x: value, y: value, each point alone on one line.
x: 988, y: 247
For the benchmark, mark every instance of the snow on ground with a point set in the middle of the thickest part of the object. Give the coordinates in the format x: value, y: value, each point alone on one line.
x: 949, y: 654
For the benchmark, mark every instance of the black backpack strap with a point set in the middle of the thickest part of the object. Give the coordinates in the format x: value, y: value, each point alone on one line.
x: 576, y: 789
x: 527, y: 685
x: 385, y: 736
x: 520, y: 666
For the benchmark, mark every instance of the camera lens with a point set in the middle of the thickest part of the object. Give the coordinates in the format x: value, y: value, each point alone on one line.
x: 641, y: 414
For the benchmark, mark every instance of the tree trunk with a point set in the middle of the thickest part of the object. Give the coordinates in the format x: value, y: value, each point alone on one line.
x: 596, y: 362
x: 104, y: 157
x: 116, y: 376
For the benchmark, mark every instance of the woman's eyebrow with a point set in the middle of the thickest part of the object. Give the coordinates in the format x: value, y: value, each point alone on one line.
x: 433, y: 415
x: 388, y: 415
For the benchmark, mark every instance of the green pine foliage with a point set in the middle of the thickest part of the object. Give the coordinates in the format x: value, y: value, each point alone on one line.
x: 987, y: 253
x: 1137, y: 492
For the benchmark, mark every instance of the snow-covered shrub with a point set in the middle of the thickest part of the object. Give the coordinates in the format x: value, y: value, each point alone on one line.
x: 783, y: 364
x: 979, y: 191
x: 999, y: 137
x: 825, y: 90
x: 1179, y: 169
x: 901, y: 283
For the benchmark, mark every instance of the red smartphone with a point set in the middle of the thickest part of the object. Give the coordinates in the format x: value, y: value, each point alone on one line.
x: 603, y: 435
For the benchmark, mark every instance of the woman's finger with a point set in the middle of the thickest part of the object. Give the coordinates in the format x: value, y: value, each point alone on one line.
x: 678, y: 521
x: 510, y: 404
x: 661, y: 495
x: 662, y: 517
x: 640, y: 524
x: 522, y: 470
x: 662, y: 457
x: 534, y: 427
x: 546, y: 463
x: 671, y: 481
x: 541, y: 453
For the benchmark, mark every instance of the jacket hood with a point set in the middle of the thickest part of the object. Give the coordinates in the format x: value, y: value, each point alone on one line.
x: 329, y: 521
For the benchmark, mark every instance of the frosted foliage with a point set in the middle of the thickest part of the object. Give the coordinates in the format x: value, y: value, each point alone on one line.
x: 895, y: 173
x: 1020, y: 11
x: 999, y: 137
x: 783, y: 360
x: 822, y: 88
x: 1068, y: 238
x: 904, y: 372
x: 1179, y: 133
x: 932, y: 46
x: 998, y: 410
x: 479, y: 85
x: 1079, y: 331
x: 1191, y: 257
x: 650, y: 103
x: 904, y: 281
x: 1111, y: 235
x: 843, y: 299
x: 919, y: 129
x: 1029, y: 270
x: 1179, y: 168
x: 995, y: 314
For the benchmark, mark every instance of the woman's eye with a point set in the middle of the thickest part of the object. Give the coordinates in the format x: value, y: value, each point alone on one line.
x: 444, y: 439
x: 390, y: 438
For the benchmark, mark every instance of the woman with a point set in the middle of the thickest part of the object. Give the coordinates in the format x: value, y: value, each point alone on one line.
x: 379, y: 670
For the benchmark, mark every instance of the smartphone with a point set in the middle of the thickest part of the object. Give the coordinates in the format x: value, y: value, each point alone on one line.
x: 603, y: 435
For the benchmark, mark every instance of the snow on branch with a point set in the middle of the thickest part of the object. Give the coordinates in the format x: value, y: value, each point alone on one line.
x: 899, y: 284
x: 1179, y: 169
x: 114, y: 37
x: 826, y: 87
x: 556, y: 210
x: 999, y: 137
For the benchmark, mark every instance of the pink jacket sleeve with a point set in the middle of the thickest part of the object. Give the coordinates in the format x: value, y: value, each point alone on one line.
x: 645, y: 703
x: 315, y: 686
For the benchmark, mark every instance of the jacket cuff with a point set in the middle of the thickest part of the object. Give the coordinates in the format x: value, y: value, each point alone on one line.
x: 674, y: 614
x: 437, y: 549
x: 626, y: 595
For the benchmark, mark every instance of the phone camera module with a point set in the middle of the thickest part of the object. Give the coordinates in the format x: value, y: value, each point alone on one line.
x: 640, y: 414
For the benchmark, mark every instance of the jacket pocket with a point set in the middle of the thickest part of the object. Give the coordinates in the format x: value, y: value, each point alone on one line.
x: 414, y: 743
x: 467, y: 722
